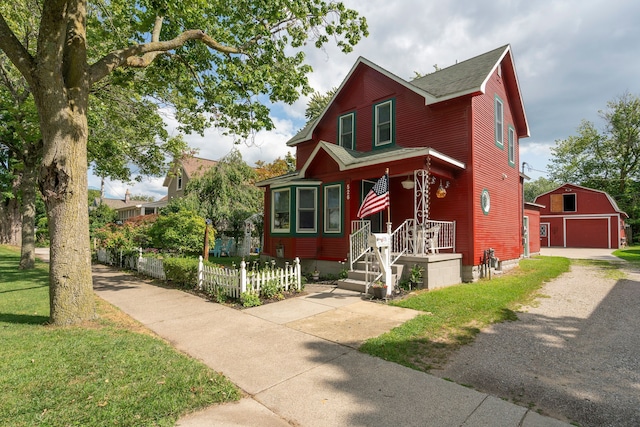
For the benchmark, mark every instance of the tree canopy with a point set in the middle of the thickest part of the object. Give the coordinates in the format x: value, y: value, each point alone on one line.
x: 606, y: 159
x: 210, y: 63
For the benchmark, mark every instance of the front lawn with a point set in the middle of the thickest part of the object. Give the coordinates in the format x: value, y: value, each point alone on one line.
x: 630, y: 254
x: 108, y: 372
x: 454, y: 315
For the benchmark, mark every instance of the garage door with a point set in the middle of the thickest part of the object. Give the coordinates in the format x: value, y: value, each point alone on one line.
x: 588, y: 233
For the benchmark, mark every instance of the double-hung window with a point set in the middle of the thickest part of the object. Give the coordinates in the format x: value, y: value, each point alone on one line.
x: 280, y: 215
x: 346, y: 131
x: 512, y: 146
x: 383, y: 123
x: 499, y: 120
x: 306, y: 210
x: 333, y: 209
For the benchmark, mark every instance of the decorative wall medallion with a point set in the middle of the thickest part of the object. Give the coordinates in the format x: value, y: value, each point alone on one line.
x: 485, y: 201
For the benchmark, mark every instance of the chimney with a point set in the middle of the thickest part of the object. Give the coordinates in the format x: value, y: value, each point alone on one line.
x: 127, y: 196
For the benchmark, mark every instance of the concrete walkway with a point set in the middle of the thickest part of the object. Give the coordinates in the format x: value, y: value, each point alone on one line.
x: 297, y: 362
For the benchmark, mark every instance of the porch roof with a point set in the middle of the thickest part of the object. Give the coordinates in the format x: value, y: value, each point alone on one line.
x: 350, y: 159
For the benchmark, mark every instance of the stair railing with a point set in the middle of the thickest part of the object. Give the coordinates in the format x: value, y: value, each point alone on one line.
x: 359, y: 241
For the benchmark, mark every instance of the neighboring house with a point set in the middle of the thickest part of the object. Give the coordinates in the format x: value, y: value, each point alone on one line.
x: 128, y: 208
x: 182, y: 171
x: 580, y: 217
x: 450, y: 141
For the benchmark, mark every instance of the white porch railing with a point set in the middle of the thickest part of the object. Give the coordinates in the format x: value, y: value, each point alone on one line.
x: 359, y: 240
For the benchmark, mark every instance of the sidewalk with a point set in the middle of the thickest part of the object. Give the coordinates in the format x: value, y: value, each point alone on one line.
x: 297, y: 362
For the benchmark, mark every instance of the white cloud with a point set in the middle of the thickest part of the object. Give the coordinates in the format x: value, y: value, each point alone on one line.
x: 571, y: 57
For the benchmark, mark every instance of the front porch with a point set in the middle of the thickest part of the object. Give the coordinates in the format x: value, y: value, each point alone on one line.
x: 429, y: 245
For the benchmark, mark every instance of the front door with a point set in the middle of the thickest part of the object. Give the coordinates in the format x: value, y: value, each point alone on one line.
x: 544, y: 235
x: 377, y: 225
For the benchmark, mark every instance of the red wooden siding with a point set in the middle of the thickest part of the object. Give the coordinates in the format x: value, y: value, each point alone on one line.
x: 501, y: 228
x: 534, y: 230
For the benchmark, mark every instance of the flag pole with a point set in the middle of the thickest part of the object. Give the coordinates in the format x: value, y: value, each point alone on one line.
x: 389, y: 205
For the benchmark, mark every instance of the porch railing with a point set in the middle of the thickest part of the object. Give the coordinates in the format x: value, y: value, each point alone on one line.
x: 358, y: 241
x: 421, y: 239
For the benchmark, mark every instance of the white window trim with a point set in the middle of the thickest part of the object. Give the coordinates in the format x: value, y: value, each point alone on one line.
x: 499, y: 120
x: 326, y: 205
x: 575, y: 202
x: 511, y: 149
x: 353, y: 130
x: 273, y: 211
x: 376, y: 124
x: 179, y: 178
x: 315, y: 211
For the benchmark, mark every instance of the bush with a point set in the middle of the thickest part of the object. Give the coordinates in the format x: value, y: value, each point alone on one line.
x: 271, y: 289
x: 247, y: 299
x: 183, y: 272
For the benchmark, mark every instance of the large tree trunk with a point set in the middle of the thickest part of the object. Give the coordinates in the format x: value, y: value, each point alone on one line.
x: 28, y: 192
x: 63, y: 179
x: 10, y: 222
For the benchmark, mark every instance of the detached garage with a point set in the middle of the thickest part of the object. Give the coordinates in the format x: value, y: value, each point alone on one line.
x: 580, y: 217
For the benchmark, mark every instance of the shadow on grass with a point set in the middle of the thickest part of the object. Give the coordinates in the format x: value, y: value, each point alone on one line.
x: 23, y: 289
x: 26, y: 319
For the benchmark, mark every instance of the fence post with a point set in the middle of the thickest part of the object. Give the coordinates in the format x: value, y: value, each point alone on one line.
x: 243, y: 277
x: 298, y: 274
x: 200, y: 272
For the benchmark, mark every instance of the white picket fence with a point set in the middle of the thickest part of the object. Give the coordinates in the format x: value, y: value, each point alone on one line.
x: 233, y: 281
x: 151, y: 267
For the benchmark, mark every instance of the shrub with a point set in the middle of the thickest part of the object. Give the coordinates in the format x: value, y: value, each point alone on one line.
x: 248, y: 299
x: 183, y: 272
x: 270, y: 289
x: 218, y: 294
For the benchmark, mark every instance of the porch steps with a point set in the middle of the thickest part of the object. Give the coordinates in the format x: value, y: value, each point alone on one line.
x: 356, y: 279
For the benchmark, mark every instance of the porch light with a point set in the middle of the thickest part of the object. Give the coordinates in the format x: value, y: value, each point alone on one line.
x: 441, y: 192
x: 408, y: 183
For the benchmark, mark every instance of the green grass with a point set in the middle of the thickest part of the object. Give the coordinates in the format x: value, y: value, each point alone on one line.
x: 108, y: 372
x: 454, y: 315
x: 630, y: 254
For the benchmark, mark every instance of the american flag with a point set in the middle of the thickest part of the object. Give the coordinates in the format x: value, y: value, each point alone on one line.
x: 377, y: 199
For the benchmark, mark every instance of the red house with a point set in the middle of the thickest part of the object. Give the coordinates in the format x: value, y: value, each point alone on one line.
x: 580, y: 217
x: 450, y: 141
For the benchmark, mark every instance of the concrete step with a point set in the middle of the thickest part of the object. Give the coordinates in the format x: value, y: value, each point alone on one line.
x: 357, y: 285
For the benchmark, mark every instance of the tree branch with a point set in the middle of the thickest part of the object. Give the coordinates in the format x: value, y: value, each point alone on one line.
x: 138, y: 56
x: 16, y: 52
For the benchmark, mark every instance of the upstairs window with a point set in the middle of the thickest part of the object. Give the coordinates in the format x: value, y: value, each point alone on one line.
x: 512, y: 146
x: 307, y: 214
x: 280, y: 218
x: 346, y: 131
x: 179, y: 181
x: 383, y: 123
x: 499, y: 117
x: 569, y: 202
x: 563, y: 202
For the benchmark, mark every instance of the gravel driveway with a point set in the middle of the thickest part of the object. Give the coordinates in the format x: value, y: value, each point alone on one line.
x: 573, y: 355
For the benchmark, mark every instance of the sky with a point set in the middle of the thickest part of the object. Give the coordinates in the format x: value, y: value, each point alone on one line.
x: 571, y: 57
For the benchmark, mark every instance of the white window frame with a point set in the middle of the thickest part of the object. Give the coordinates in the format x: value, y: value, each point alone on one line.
x: 299, y: 210
x: 575, y: 202
x: 275, y: 229
x: 326, y: 228
x: 341, y: 129
x: 499, y: 121
x: 377, y: 123
x: 512, y: 146
x: 179, y: 180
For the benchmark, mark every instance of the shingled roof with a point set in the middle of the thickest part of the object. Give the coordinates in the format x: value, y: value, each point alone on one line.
x: 462, y: 78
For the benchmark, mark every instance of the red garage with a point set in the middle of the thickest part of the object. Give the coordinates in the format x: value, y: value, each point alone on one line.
x: 580, y: 217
